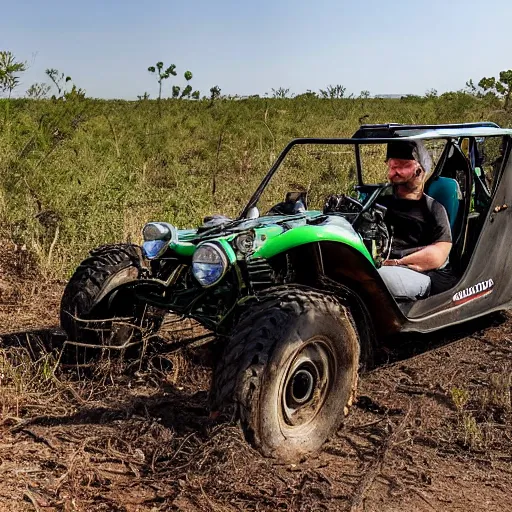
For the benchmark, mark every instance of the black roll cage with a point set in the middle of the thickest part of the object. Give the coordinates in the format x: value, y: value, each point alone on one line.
x: 365, y: 135
x: 322, y: 141
x: 391, y: 129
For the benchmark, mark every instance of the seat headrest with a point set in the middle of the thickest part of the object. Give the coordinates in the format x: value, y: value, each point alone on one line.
x: 447, y: 192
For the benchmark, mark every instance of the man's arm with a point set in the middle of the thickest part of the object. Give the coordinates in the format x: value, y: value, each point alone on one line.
x: 429, y: 258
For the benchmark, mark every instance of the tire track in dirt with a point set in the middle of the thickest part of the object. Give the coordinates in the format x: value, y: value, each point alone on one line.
x: 141, y: 438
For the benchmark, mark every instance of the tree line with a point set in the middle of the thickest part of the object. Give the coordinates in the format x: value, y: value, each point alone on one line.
x: 61, y: 85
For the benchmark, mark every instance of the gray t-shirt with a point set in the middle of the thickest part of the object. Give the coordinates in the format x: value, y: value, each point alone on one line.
x: 416, y: 223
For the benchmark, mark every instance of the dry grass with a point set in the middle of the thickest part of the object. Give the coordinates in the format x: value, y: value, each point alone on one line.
x: 28, y: 297
x: 68, y: 184
x: 139, y: 437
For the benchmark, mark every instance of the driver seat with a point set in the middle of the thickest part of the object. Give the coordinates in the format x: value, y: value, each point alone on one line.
x: 447, y: 192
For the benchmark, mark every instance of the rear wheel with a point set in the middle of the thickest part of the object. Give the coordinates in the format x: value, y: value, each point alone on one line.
x: 290, y: 368
x: 98, y: 308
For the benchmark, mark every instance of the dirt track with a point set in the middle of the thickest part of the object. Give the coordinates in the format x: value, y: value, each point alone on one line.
x: 431, y: 431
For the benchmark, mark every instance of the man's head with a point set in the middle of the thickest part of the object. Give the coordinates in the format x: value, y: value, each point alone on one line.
x: 408, y: 163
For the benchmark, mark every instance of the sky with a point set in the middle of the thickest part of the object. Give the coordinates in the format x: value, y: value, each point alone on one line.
x: 385, y: 47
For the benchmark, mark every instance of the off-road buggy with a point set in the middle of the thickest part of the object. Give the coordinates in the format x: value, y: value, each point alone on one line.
x: 293, y: 296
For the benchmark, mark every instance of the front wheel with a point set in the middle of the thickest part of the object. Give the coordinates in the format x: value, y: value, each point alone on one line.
x: 290, y: 367
x: 97, y: 295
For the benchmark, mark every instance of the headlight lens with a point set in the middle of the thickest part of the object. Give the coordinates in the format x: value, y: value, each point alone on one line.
x: 154, y: 248
x: 157, y: 236
x: 156, y: 231
x: 209, y: 264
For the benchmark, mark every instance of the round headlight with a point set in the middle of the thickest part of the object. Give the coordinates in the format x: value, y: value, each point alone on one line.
x: 157, y: 231
x: 209, y: 264
x: 157, y: 236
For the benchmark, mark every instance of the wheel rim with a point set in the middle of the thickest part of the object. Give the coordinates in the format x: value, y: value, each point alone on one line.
x: 307, y: 383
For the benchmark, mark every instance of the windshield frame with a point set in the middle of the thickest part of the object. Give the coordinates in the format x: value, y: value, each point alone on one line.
x: 253, y: 201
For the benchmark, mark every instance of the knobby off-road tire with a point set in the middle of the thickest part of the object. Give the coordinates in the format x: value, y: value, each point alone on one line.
x: 80, y: 305
x: 291, y: 370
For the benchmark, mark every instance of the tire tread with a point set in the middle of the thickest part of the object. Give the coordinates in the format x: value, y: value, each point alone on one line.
x: 86, y: 284
x: 237, y: 377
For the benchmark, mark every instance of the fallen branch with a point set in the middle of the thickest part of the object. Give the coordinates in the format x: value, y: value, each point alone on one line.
x: 375, y: 467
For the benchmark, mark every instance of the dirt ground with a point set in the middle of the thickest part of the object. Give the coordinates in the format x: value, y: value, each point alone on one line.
x: 431, y: 429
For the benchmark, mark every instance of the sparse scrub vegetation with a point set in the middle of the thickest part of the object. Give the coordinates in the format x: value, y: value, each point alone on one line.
x: 333, y: 92
x: 25, y: 378
x: 59, y: 81
x: 10, y: 70
x: 480, y: 414
x: 214, y: 93
x: 280, y: 92
x: 38, y: 91
x: 470, y: 433
x: 501, y: 87
x: 79, y: 173
x: 163, y: 74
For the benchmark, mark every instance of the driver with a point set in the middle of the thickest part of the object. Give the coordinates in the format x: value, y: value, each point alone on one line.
x: 418, y: 261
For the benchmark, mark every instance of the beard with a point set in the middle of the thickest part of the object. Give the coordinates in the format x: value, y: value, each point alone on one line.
x: 410, y: 185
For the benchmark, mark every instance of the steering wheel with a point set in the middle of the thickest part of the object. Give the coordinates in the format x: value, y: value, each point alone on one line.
x: 342, y: 204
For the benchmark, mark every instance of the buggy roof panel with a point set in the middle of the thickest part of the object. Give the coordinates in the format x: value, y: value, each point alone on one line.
x: 441, y: 131
x: 455, y: 133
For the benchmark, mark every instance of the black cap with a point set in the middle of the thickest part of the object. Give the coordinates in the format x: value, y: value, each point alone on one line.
x: 403, y: 149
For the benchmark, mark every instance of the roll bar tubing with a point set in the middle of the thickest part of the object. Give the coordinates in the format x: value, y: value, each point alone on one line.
x: 310, y: 141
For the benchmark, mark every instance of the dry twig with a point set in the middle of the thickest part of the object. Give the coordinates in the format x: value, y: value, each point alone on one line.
x: 376, y: 465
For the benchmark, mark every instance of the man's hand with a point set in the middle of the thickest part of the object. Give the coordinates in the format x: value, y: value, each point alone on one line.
x: 400, y: 263
x: 429, y: 258
x: 391, y: 263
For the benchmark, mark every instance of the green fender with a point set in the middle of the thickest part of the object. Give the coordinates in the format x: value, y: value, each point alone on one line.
x: 333, y: 231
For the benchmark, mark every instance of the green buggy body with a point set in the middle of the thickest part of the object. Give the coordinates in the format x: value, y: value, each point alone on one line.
x: 293, y: 297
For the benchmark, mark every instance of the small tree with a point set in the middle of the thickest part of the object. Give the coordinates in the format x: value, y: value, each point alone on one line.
x: 162, y: 74
x: 502, y: 87
x: 187, y: 91
x: 9, y: 71
x: 364, y: 95
x: 471, y: 88
x: 431, y: 94
x: 38, y: 91
x: 333, y: 92
x: 280, y: 93
x: 214, y: 93
x: 60, y: 80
